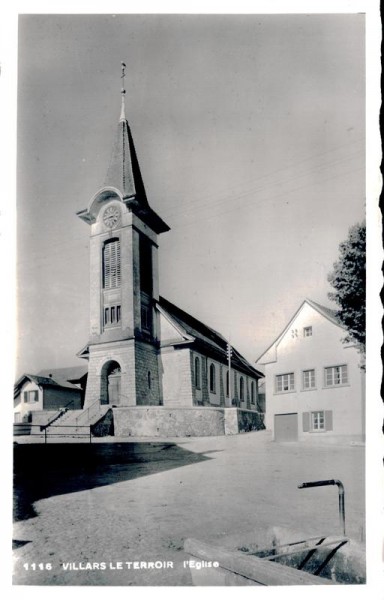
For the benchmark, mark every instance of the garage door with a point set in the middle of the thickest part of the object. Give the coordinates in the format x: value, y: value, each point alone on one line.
x: 286, y: 427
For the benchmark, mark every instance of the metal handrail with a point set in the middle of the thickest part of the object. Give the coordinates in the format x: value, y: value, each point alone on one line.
x: 89, y: 427
x: 47, y: 433
x: 61, y: 412
x: 53, y: 419
x: 86, y: 412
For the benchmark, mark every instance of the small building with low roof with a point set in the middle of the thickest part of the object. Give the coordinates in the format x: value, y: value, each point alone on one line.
x: 35, y: 395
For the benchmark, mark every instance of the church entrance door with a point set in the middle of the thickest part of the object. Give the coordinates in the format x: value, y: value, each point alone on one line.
x: 110, y: 383
x: 114, y: 388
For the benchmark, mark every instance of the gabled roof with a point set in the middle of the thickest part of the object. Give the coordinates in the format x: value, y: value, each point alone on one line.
x: 205, y: 339
x: 328, y: 313
x: 42, y: 382
x: 64, y: 375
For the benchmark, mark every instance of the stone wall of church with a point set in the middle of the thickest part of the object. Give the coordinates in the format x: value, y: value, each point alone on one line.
x: 166, y: 421
x: 175, y: 371
x: 148, y: 388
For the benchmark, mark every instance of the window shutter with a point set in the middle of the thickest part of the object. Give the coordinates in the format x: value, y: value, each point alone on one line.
x: 118, y: 263
x: 111, y: 264
x: 306, y: 421
x: 328, y: 420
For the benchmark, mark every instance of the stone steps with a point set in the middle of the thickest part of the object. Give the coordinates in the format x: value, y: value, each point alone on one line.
x: 77, y: 422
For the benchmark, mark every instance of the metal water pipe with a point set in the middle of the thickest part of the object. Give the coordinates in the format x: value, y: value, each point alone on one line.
x: 340, y: 486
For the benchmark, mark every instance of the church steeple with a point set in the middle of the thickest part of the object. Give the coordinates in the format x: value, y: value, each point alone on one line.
x: 124, y: 171
x: 124, y: 176
x: 124, y: 282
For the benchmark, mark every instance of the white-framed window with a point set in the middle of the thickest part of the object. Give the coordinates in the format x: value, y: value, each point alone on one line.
x: 318, y: 420
x: 334, y: 376
x: 31, y: 396
x: 309, y: 379
x: 197, y: 372
x: 307, y: 331
x: 284, y: 383
x: 212, y: 378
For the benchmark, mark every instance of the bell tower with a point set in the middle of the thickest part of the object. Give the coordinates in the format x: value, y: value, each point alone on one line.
x: 124, y: 283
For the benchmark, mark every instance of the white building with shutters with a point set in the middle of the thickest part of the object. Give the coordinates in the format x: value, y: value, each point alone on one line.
x: 315, y: 385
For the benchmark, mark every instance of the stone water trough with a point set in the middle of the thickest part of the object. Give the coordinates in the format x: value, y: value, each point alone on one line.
x: 281, y: 557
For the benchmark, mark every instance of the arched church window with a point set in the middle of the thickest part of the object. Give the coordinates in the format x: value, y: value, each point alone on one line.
x: 252, y: 392
x: 149, y: 379
x: 197, y: 372
x: 212, y: 379
x: 241, y: 389
x: 111, y: 264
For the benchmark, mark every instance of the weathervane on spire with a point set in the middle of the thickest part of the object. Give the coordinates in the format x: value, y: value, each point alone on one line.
x: 122, y: 115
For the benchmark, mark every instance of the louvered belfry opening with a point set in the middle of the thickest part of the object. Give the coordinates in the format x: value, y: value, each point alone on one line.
x: 111, y: 264
x: 146, y: 269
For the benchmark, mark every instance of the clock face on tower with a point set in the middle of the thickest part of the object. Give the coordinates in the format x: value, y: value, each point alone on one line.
x: 111, y: 216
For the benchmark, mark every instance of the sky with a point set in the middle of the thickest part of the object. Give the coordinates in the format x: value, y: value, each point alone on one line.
x: 250, y: 134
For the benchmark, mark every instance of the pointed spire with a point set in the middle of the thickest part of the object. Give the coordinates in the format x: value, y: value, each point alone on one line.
x: 124, y: 170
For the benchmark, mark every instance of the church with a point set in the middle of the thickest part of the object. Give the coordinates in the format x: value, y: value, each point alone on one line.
x: 153, y: 369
